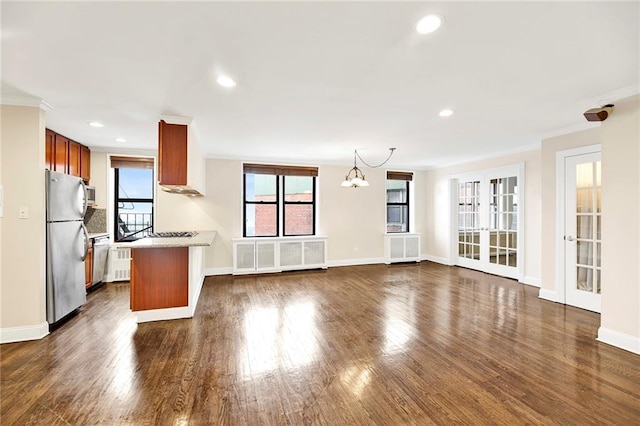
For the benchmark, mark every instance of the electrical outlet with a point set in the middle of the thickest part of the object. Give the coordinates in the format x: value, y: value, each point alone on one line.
x: 24, y: 212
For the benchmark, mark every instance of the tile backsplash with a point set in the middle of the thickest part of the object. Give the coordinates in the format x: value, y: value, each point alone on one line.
x: 96, y: 220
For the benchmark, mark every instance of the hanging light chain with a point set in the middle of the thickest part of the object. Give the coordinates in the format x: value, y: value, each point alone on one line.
x: 391, y: 150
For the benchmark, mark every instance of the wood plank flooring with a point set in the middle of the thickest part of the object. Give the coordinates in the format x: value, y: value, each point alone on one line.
x: 402, y: 344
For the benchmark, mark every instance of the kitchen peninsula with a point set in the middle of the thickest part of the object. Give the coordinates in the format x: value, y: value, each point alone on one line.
x: 167, y: 273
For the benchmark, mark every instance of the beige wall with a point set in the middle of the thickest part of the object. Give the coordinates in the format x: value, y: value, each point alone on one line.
x: 219, y: 210
x: 22, y: 265
x: 550, y: 148
x: 621, y: 219
x: 352, y: 219
x: 99, y: 176
x: 436, y: 241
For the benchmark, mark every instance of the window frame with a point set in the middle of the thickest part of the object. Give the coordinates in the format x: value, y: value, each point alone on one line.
x: 285, y: 203
x: 244, y: 208
x: 281, y: 172
x: 407, y: 177
x: 117, y: 200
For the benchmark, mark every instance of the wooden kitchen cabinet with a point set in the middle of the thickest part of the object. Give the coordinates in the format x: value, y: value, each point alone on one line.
x: 85, y: 163
x: 74, y: 158
x: 61, y: 154
x: 49, y: 146
x: 88, y: 266
x: 172, y: 153
x: 66, y: 156
x: 181, y: 165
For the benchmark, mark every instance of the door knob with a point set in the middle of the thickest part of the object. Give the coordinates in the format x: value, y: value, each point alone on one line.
x: 569, y: 238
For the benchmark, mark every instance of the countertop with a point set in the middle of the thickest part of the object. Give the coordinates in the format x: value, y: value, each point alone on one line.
x: 98, y: 234
x: 203, y: 239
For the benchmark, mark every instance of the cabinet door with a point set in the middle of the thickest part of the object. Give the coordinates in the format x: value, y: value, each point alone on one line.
x: 85, y: 163
x: 49, y: 146
x: 61, y: 162
x: 88, y: 266
x: 172, y: 154
x: 74, y: 158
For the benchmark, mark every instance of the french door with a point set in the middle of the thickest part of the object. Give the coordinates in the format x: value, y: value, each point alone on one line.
x: 582, y: 235
x: 489, y: 210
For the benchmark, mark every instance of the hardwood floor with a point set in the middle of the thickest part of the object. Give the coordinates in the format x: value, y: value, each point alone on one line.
x: 403, y: 344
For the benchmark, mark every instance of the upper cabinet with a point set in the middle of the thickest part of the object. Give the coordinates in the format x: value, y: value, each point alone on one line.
x: 66, y: 156
x: 85, y: 163
x: 74, y: 158
x: 61, y: 154
x: 180, y: 161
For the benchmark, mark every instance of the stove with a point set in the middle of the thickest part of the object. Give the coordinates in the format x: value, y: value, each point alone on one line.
x: 173, y: 234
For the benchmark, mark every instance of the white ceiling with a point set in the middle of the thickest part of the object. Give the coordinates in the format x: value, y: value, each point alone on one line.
x: 317, y: 80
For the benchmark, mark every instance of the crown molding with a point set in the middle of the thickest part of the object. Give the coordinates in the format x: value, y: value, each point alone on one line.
x: 27, y: 101
x: 568, y: 129
x: 621, y: 93
x: 172, y: 119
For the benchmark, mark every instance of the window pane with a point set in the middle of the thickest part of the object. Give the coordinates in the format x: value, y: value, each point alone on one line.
x: 261, y: 220
x: 397, y: 218
x: 396, y: 191
x: 135, y: 183
x: 260, y: 187
x: 134, y: 217
x: 298, y: 188
x: 298, y: 219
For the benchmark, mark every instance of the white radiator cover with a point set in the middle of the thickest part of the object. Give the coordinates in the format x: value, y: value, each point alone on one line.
x: 118, y: 264
x: 277, y: 254
x: 401, y: 247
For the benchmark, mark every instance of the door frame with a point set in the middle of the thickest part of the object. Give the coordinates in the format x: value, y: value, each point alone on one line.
x: 561, y: 156
x: 486, y: 174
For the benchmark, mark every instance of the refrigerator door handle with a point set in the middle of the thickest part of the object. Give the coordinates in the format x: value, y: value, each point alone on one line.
x: 85, y: 200
x: 86, y: 242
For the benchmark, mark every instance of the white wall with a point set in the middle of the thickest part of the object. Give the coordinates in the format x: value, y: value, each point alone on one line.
x: 353, y: 219
x: 550, y: 147
x: 620, y: 321
x: 437, y: 240
x: 22, y: 262
x: 99, y: 177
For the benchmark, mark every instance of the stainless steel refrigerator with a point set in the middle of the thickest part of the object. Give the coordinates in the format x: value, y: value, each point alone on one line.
x: 67, y: 244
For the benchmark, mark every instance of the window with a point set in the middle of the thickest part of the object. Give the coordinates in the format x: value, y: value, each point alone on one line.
x: 398, y: 201
x: 133, y: 198
x: 279, y: 200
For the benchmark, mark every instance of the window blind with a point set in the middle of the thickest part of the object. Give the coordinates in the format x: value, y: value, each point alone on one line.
x: 268, y: 169
x: 400, y: 175
x: 131, y: 163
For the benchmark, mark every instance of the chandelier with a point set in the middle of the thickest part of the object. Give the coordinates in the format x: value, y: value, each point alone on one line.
x: 355, y: 177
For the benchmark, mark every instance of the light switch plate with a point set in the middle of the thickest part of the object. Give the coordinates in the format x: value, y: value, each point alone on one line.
x: 24, y: 212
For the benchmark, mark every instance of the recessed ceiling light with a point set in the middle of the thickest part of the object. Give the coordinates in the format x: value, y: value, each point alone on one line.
x: 95, y: 124
x: 445, y: 113
x: 429, y: 24
x: 225, y: 81
x: 121, y: 140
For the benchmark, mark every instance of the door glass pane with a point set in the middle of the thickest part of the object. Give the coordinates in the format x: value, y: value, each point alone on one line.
x: 598, y: 282
x: 585, y: 279
x: 585, y: 253
x: 585, y: 226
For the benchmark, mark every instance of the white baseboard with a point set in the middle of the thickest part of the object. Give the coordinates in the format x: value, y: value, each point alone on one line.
x: 355, y: 262
x: 22, y: 334
x: 549, y: 295
x: 165, y: 314
x: 437, y: 259
x: 533, y: 281
x: 218, y: 271
x: 619, y: 340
